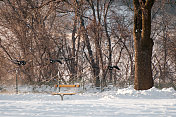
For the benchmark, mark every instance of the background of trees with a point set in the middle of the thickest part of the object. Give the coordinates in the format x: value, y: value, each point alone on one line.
x: 87, y: 36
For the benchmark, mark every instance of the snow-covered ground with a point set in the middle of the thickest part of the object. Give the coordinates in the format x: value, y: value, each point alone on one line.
x: 114, y: 103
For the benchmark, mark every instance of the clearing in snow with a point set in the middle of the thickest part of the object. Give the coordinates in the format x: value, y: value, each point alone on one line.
x: 125, y: 102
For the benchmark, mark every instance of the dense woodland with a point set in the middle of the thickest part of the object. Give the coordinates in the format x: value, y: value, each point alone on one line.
x: 82, y: 41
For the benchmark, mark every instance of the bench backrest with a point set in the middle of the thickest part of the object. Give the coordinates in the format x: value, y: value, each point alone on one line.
x: 67, y: 86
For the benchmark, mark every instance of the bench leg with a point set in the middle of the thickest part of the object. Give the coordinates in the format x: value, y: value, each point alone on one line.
x: 62, y: 97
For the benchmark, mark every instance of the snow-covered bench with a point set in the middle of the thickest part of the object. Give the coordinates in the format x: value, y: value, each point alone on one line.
x: 62, y: 94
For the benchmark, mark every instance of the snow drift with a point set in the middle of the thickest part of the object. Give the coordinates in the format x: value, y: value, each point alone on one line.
x: 127, y: 102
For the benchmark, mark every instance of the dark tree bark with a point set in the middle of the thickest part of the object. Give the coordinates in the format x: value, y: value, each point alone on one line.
x: 143, y: 44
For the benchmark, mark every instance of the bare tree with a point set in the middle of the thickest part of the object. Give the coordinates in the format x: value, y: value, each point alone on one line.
x: 163, y: 27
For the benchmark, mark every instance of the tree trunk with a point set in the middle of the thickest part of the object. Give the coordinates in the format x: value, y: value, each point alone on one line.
x: 73, y: 62
x: 94, y: 64
x: 143, y: 44
x: 109, y: 40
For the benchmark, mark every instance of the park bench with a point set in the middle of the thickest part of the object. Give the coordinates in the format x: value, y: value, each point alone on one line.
x: 63, y: 94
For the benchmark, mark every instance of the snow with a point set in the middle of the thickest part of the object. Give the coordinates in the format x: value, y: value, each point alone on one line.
x: 125, y: 102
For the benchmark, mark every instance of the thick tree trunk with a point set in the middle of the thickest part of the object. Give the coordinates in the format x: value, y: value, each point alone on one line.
x: 143, y: 44
x: 143, y: 71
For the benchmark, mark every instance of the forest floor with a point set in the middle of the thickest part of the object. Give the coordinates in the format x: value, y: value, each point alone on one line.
x: 125, y: 102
